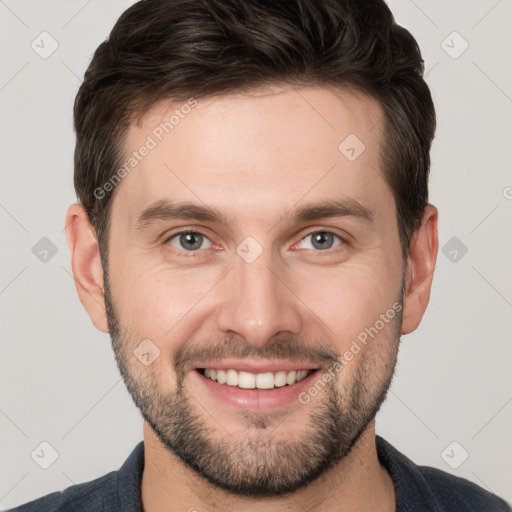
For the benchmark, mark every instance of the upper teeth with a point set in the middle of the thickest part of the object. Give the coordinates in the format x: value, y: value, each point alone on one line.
x: 248, y: 380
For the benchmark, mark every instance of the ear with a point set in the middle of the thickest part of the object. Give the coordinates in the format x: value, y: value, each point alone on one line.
x: 420, y: 270
x: 86, y: 264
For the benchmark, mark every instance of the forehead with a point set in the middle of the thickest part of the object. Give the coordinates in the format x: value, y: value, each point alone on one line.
x: 256, y: 152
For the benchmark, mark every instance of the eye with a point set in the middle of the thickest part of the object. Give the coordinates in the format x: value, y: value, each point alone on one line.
x: 322, y: 240
x: 190, y: 241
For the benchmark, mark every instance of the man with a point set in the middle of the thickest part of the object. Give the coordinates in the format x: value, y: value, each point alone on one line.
x: 254, y: 233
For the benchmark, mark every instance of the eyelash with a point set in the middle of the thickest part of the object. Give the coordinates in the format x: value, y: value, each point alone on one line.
x: 197, y: 252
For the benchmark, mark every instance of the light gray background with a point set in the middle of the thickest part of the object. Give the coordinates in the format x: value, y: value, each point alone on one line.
x: 59, y: 382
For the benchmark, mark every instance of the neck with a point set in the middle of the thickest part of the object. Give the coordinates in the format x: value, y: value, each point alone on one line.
x: 358, y: 482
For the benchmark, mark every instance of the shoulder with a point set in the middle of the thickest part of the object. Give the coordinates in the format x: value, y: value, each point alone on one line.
x: 113, y: 492
x: 84, y: 497
x: 421, y: 488
x: 453, y: 491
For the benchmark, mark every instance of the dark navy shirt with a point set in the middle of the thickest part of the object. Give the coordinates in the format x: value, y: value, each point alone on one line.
x: 417, y: 489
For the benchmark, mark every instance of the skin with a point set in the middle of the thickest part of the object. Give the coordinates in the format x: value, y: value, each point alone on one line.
x: 257, y: 157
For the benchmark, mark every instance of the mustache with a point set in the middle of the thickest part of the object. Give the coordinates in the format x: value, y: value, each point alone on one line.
x: 287, y: 348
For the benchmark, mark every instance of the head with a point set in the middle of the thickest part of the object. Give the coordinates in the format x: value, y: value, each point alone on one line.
x: 253, y: 186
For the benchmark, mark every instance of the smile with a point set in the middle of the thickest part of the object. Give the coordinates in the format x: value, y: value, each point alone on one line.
x: 248, y: 380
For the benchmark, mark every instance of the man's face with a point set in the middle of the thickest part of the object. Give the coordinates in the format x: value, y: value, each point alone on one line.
x: 261, y: 290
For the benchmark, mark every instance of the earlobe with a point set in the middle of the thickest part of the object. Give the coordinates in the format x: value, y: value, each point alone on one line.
x: 420, y: 270
x: 86, y: 264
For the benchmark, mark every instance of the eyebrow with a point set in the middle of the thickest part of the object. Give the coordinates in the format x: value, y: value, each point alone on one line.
x: 164, y: 210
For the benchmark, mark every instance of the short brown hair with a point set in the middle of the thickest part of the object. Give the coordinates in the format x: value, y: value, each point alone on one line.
x: 178, y: 49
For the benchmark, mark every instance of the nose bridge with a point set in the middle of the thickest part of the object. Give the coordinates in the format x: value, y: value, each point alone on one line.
x: 256, y: 304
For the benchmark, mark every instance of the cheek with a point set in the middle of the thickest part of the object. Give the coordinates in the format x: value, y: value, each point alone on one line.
x: 153, y: 301
x: 369, y: 357
x: 351, y: 299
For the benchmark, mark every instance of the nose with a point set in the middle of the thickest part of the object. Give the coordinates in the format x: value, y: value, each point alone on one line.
x: 257, y: 302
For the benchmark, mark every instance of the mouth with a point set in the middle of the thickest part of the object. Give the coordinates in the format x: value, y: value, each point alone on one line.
x: 262, y: 388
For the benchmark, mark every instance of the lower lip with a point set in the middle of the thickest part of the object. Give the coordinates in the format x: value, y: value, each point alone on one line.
x: 256, y: 398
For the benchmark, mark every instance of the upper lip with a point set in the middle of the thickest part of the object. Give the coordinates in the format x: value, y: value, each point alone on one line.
x: 255, y: 366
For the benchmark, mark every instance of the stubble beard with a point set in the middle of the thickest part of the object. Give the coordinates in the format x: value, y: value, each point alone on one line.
x: 252, y: 462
